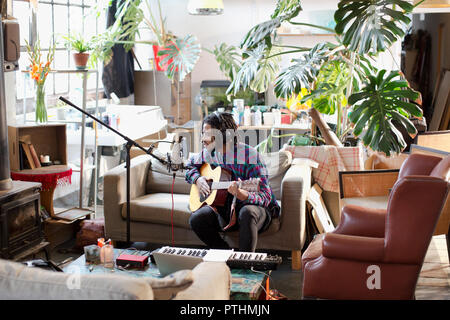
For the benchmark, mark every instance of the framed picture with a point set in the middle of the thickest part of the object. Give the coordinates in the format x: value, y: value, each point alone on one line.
x: 320, y: 214
x: 440, y: 101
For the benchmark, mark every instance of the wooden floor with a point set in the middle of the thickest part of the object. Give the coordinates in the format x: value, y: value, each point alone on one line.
x: 433, y: 283
x: 434, y: 279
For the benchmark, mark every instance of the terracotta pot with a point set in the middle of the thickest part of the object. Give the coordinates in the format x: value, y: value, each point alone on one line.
x: 81, y: 60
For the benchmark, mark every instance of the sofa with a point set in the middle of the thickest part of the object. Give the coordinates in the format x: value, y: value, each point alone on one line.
x: 151, y: 205
x: 207, y: 281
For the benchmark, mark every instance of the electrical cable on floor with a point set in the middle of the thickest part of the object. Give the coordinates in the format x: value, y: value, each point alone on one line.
x: 269, y: 294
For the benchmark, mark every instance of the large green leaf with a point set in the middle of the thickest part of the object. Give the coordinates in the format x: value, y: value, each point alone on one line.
x: 267, y: 71
x: 286, y: 7
x: 372, y: 26
x: 228, y: 58
x: 302, y: 72
x: 262, y: 33
x: 382, y: 100
x: 181, y: 56
x: 329, y: 94
x: 248, y: 71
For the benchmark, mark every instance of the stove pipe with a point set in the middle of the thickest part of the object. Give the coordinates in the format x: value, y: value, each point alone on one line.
x: 5, y: 175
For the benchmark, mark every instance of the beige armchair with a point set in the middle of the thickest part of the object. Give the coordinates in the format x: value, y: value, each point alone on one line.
x: 151, y: 205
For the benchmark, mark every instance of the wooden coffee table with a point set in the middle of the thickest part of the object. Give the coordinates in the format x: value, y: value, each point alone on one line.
x: 246, y: 284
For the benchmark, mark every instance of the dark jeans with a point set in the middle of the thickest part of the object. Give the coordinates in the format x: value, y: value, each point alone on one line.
x: 208, y: 225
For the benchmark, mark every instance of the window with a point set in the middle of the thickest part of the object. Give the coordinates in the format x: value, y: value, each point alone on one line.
x: 51, y: 20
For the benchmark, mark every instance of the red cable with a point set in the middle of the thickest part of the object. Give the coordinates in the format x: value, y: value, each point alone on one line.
x: 171, y: 215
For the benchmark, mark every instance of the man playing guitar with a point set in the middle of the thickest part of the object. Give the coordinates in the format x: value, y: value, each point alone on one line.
x: 253, y: 210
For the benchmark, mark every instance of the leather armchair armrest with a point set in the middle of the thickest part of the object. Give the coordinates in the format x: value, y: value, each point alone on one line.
x: 340, y: 246
x: 359, y: 221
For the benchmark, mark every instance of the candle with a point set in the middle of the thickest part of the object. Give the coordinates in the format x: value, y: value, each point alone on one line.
x: 107, y: 256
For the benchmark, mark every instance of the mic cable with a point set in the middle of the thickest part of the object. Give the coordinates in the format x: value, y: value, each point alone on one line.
x: 171, y: 215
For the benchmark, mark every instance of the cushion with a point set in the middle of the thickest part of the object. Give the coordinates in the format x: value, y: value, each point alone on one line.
x: 157, y: 208
x: 277, y: 164
x: 160, y: 180
x: 212, y: 282
x: 27, y: 283
x: 168, y: 287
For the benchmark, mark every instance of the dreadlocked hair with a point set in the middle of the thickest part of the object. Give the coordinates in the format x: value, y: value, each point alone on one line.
x: 222, y: 121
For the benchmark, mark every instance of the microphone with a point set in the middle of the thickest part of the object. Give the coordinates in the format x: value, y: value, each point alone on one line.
x: 178, y: 154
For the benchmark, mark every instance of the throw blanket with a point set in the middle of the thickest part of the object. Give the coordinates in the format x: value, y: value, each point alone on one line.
x: 331, y: 160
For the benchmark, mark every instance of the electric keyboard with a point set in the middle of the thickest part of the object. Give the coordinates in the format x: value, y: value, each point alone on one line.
x: 172, y: 259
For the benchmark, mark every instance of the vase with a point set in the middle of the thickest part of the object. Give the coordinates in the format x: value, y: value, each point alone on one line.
x: 41, y: 109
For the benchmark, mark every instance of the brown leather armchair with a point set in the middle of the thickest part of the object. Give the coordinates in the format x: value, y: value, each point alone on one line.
x: 389, y: 246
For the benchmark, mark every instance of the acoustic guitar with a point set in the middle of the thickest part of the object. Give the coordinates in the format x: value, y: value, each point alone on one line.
x: 219, y: 180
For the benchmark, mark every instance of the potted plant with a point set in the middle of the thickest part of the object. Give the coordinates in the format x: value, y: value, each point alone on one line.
x: 81, y: 46
x: 172, y: 54
x: 340, y: 78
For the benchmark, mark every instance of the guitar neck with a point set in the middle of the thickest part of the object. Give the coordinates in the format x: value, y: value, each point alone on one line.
x: 220, y: 185
x: 246, y: 185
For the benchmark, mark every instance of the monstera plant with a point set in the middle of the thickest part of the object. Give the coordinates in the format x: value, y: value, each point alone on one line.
x: 340, y: 77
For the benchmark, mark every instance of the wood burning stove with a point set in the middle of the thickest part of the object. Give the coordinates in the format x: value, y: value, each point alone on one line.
x: 20, y: 220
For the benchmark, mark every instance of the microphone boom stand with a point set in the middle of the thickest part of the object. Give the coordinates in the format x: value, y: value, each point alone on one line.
x: 130, y: 143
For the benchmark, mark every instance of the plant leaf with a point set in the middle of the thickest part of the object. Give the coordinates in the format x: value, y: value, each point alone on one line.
x: 181, y: 56
x: 248, y: 70
x: 228, y: 58
x: 262, y: 32
x: 267, y: 71
x: 380, y: 101
x: 302, y: 73
x: 372, y: 26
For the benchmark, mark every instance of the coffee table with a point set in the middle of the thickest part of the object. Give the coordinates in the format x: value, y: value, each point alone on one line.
x: 246, y: 284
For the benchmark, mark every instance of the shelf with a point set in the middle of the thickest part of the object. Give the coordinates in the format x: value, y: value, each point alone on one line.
x: 66, y: 71
x: 307, y: 35
x: 72, y: 214
x: 85, y: 167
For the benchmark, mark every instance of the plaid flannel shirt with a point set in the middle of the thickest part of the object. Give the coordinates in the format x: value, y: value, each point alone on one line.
x: 245, y: 163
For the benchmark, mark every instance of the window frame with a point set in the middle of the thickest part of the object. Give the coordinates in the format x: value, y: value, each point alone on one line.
x: 52, y: 96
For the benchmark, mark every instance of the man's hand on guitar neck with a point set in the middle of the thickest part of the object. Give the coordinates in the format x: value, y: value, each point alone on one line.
x: 234, y: 189
x: 203, y: 186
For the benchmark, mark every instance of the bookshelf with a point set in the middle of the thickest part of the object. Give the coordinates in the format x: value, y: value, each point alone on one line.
x: 48, y: 139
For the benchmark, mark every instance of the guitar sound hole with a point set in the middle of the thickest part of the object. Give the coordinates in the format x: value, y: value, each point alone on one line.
x: 203, y: 198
